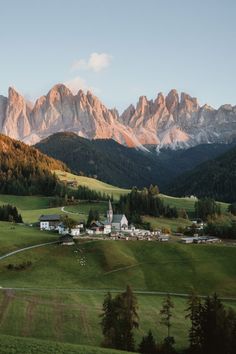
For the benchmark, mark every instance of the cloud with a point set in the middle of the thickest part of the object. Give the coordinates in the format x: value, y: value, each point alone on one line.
x: 77, y: 83
x: 96, y: 62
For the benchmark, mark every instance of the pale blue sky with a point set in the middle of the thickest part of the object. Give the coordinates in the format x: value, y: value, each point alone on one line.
x: 148, y: 46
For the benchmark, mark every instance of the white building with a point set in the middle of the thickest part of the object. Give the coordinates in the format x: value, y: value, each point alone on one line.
x: 49, y: 222
x: 118, y: 222
x: 63, y: 230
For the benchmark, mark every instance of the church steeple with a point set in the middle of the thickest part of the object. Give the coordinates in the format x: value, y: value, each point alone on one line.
x: 109, y: 212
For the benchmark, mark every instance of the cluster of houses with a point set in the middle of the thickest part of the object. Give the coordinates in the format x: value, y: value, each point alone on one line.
x: 200, y: 239
x: 115, y: 226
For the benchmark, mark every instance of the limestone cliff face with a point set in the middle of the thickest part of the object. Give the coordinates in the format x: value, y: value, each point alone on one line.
x: 179, y: 121
x: 170, y: 120
x: 16, y: 121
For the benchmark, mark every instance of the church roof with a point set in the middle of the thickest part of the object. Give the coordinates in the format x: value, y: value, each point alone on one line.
x: 117, y: 218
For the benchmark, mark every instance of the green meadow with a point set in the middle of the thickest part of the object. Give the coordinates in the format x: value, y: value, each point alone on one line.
x: 54, y: 305
x: 67, y: 297
x: 19, y: 345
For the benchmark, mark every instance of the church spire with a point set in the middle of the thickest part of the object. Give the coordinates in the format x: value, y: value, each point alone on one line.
x: 109, y: 212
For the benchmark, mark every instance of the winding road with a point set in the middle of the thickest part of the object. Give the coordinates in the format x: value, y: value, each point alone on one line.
x: 27, y: 248
x: 70, y: 212
x: 102, y: 291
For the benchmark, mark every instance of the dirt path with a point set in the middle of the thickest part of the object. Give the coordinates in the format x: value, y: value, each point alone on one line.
x: 7, y: 299
x: 29, y: 316
x: 27, y: 248
x: 58, y: 318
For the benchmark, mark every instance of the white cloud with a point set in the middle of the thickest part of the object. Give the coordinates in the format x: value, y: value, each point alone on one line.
x: 96, y: 62
x: 77, y: 83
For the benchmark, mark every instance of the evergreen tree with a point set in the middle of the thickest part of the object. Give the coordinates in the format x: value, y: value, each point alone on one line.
x: 109, y: 322
x: 148, y: 344
x: 119, y: 319
x: 166, y: 315
x: 193, y: 313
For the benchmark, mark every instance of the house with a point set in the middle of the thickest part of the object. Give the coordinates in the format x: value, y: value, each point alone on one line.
x: 99, y: 227
x: 49, y: 222
x: 63, y: 230
x: 66, y: 240
x: 118, y: 222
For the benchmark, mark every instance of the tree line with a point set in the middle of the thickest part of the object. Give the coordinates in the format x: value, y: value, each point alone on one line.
x: 144, y: 202
x: 26, y: 171
x: 212, y: 325
x: 10, y: 213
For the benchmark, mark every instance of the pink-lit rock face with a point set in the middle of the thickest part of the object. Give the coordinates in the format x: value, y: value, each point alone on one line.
x: 173, y: 120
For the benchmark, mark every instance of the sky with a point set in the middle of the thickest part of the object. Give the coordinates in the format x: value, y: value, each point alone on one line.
x: 120, y: 49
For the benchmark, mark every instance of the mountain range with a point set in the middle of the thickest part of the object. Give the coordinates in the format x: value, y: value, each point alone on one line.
x: 167, y: 121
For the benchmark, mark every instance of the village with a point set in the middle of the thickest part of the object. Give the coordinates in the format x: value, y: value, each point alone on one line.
x: 116, y: 227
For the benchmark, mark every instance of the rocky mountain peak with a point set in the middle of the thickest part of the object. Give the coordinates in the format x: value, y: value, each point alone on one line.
x: 188, y: 103
x: 167, y: 121
x: 142, y: 104
x: 172, y: 101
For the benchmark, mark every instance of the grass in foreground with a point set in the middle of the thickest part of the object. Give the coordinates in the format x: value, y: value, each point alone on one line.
x: 19, y: 345
x: 73, y: 317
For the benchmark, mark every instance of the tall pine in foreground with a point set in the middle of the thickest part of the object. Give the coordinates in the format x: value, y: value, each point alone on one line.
x: 166, y: 315
x: 213, y: 327
x: 119, y: 319
x: 193, y: 314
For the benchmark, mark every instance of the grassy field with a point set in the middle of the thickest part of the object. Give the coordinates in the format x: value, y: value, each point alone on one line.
x: 69, y: 296
x: 172, y: 224
x: 149, y: 266
x: 19, y: 345
x: 13, y: 237
x: 92, y: 183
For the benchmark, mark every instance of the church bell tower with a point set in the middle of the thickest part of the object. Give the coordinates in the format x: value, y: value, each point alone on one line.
x: 109, y: 212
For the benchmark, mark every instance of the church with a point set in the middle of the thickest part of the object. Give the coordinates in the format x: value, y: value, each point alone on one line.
x: 118, y: 222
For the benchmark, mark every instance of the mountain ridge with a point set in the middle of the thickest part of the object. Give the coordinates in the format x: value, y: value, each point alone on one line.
x: 122, y: 166
x: 215, y: 178
x: 173, y: 120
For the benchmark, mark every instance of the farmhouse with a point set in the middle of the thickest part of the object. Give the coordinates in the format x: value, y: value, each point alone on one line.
x: 98, y: 227
x: 49, y: 222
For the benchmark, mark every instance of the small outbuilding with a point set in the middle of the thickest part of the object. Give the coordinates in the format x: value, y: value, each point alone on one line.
x: 66, y: 240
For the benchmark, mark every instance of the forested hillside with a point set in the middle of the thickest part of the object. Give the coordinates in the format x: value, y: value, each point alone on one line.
x: 122, y: 166
x: 215, y: 179
x: 26, y: 171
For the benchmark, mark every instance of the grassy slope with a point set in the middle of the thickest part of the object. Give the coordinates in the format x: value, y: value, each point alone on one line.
x: 18, y: 236
x: 172, y: 224
x: 19, y: 345
x: 73, y: 316
x: 94, y: 184
x: 145, y: 265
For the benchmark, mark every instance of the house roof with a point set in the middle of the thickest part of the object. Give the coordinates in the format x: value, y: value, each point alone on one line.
x: 96, y: 223
x: 66, y: 238
x: 52, y: 217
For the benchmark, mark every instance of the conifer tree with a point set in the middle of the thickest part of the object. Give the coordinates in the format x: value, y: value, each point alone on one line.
x: 148, y: 344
